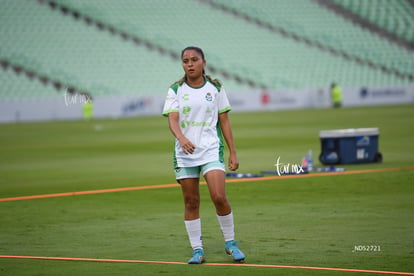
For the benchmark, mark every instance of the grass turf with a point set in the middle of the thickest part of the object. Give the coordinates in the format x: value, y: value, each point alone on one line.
x: 314, y: 221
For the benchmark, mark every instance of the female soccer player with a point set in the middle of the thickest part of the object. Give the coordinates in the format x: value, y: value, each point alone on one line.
x: 197, y: 108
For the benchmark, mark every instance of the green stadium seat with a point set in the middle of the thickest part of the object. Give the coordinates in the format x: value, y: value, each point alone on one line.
x: 395, y: 16
x: 92, y: 56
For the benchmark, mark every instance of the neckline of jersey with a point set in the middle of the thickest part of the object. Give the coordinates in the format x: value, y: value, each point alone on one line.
x: 197, y: 87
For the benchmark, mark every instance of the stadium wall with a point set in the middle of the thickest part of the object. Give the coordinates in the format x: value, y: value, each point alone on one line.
x: 69, y: 106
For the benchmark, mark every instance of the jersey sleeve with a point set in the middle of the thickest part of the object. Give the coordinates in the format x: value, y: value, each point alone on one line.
x: 171, y: 103
x: 223, y: 101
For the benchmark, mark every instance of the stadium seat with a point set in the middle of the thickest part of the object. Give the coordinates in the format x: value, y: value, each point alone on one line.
x: 131, y: 47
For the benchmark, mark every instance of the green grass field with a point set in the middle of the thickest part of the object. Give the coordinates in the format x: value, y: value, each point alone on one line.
x: 315, y: 221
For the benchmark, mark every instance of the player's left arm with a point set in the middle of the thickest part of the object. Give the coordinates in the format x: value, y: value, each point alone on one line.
x: 228, y: 137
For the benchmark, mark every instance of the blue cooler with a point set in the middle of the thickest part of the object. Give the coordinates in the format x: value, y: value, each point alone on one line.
x: 349, y: 146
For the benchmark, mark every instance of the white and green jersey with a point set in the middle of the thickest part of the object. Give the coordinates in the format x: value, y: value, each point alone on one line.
x: 198, y: 109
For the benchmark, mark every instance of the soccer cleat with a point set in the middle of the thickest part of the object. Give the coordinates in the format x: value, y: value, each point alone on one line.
x: 198, y: 257
x: 234, y: 251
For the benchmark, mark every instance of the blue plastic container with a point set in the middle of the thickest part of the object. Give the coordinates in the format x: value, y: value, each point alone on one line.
x: 349, y: 146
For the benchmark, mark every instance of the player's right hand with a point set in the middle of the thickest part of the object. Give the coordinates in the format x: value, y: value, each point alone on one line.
x: 186, y: 145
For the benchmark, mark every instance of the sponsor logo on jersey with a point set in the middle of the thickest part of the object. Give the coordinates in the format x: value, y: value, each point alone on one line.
x: 186, y: 110
x: 186, y: 97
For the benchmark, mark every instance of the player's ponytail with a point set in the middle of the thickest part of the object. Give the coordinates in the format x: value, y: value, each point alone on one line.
x: 180, y: 81
x: 215, y: 82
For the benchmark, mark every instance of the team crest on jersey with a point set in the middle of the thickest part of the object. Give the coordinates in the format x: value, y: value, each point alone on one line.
x: 209, y: 97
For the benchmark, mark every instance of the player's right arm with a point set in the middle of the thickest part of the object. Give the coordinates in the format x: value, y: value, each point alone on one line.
x: 174, y: 125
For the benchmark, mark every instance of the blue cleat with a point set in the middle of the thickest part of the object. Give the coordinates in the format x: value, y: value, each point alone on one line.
x: 198, y: 257
x: 234, y: 251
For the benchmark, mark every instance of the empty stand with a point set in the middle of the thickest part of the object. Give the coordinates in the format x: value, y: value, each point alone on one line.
x: 130, y: 47
x: 395, y: 16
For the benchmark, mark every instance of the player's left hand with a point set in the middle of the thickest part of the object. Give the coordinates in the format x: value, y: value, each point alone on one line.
x: 233, y: 162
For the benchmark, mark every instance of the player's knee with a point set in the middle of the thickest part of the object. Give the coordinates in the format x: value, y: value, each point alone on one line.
x: 192, y: 203
x: 219, y: 200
